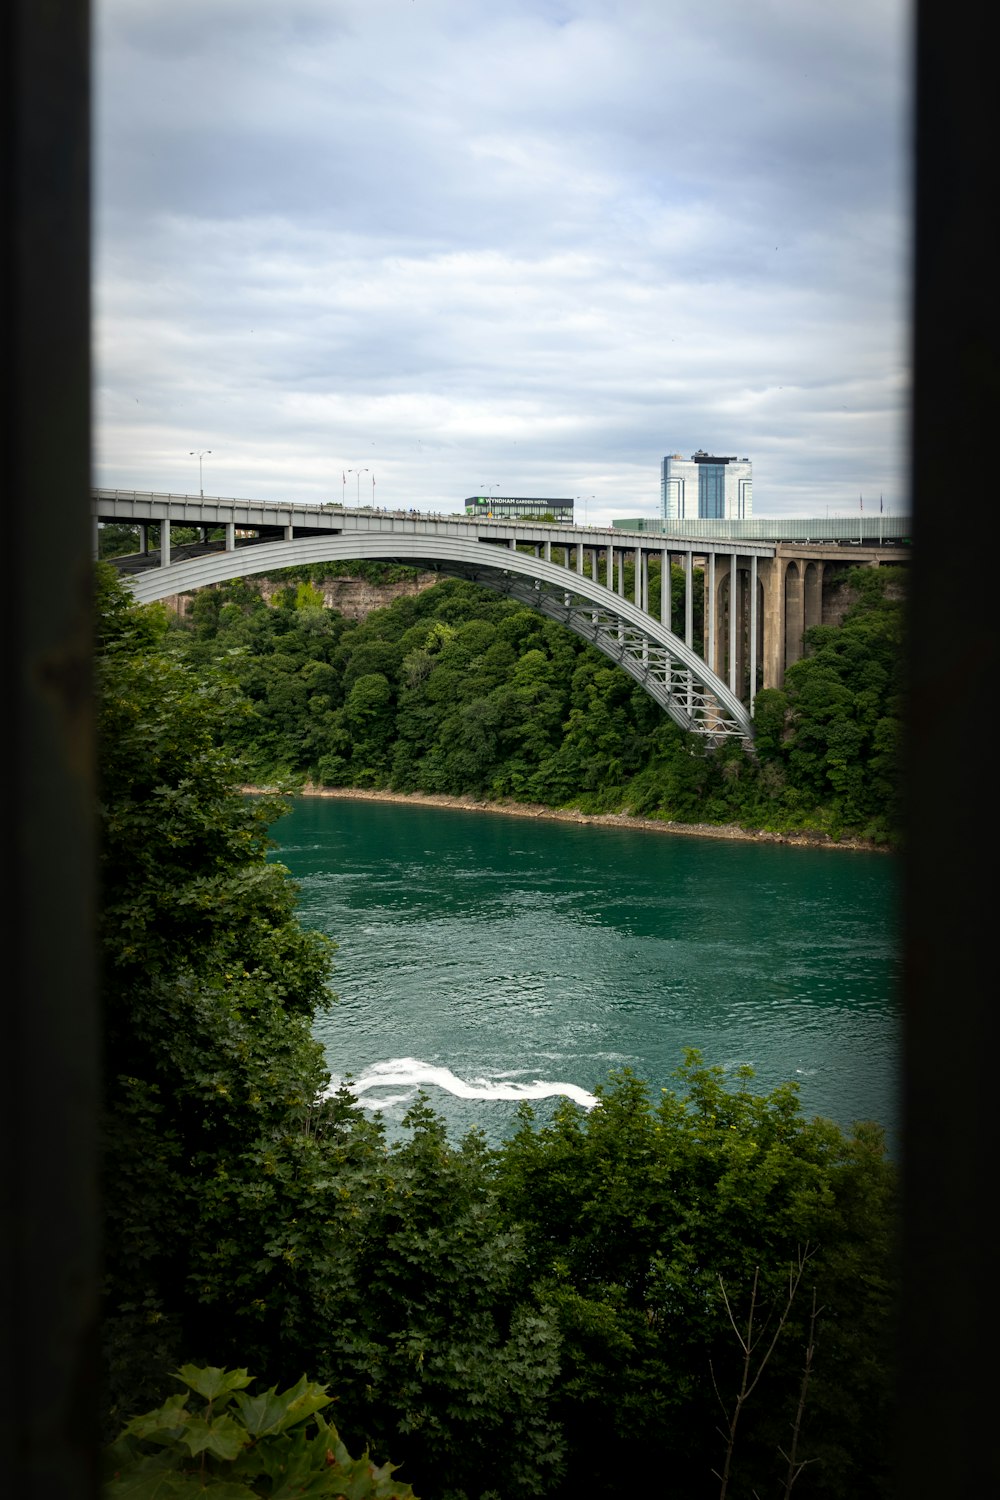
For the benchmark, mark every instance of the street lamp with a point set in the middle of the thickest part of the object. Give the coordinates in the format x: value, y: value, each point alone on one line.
x: 359, y: 473
x: 199, y: 456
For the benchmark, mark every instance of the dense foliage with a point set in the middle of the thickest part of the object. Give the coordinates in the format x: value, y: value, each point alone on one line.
x: 459, y: 691
x: 562, y: 1315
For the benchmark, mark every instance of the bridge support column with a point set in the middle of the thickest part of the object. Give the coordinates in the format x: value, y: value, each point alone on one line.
x: 689, y: 619
x: 579, y: 558
x: 773, y: 577
x: 610, y: 579
x: 621, y: 575
x: 794, y: 613
x: 689, y: 599
x: 637, y: 580
x: 813, y: 595
x: 711, y: 613
x: 230, y: 536
x: 165, y: 541
x: 754, y: 586
x: 548, y: 551
x: 720, y: 569
x: 665, y: 588
x: 144, y: 539
x: 735, y: 621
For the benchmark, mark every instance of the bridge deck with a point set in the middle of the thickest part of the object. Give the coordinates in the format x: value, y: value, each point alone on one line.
x: 137, y: 506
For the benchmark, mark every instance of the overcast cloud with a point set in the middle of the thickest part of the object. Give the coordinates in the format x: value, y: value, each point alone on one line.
x: 532, y: 245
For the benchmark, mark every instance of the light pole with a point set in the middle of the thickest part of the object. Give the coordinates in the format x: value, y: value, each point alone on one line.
x: 194, y: 454
x: 359, y: 473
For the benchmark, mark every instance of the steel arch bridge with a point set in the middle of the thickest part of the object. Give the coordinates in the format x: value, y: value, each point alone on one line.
x: 671, y: 673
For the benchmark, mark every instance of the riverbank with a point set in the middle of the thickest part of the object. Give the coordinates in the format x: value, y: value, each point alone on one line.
x: 514, y: 809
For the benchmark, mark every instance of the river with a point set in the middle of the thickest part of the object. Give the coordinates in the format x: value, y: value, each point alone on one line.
x: 489, y: 959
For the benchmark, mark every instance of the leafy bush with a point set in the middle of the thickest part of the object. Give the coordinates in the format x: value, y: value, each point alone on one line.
x: 239, y: 1446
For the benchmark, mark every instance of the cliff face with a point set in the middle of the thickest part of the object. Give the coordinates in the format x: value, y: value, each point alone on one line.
x: 839, y: 597
x: 357, y: 597
x: 352, y: 597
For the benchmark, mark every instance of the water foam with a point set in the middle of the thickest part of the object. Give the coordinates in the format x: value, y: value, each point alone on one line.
x: 411, y: 1073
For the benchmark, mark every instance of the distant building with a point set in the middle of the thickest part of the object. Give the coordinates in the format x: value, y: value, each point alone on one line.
x: 517, y: 507
x: 706, y: 486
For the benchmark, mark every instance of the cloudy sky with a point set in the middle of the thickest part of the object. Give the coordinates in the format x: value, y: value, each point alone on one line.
x: 524, y: 247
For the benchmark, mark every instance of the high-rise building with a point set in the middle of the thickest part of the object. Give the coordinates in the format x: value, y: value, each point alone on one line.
x: 706, y: 485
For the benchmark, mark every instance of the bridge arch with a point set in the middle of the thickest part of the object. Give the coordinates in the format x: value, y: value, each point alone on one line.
x: 672, y: 674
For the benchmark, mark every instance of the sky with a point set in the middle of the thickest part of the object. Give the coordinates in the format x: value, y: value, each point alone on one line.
x: 409, y: 251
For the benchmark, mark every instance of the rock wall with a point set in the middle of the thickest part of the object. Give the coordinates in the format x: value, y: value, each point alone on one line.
x: 838, y: 595
x: 357, y: 597
x: 352, y: 597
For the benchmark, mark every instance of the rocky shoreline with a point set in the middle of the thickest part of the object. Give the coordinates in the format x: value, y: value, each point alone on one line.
x: 514, y: 809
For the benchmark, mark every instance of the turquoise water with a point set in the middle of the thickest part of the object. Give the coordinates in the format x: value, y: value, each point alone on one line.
x: 489, y: 958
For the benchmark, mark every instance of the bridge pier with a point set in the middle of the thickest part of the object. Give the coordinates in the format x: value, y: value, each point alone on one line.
x: 756, y: 629
x: 689, y: 600
x: 812, y: 595
x: 773, y: 580
x: 795, y: 619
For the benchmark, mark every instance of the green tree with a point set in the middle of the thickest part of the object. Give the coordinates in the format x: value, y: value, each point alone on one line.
x: 209, y: 991
x: 837, y: 696
x: 639, y: 1217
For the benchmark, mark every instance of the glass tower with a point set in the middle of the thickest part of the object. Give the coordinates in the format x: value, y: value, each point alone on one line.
x: 706, y: 485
